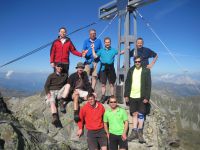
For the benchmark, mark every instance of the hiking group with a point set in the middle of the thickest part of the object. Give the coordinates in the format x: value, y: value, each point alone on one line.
x: 105, y: 128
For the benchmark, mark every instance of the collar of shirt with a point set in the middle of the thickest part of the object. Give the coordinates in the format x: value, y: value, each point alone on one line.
x: 92, y: 41
x: 117, y: 109
x: 58, y: 74
x: 107, y: 48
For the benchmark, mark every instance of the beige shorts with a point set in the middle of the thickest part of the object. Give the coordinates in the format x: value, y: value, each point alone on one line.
x: 55, y: 94
x: 82, y: 94
x: 94, y: 71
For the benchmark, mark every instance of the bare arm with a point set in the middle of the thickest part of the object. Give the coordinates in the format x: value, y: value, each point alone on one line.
x: 106, y: 129
x: 153, y: 62
x: 124, y: 137
x: 93, y: 51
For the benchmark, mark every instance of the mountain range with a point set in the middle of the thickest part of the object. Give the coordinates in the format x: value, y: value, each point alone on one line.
x: 167, y: 84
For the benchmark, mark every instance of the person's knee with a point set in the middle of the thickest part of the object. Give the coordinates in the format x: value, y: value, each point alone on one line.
x: 141, y: 116
x: 135, y: 114
x: 111, y: 85
x: 103, y: 85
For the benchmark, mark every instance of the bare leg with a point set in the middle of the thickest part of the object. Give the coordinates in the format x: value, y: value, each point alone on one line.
x: 66, y: 91
x: 135, y: 120
x: 111, y: 89
x: 103, y: 89
x: 75, y: 100
x: 94, y: 81
x: 53, y: 108
x: 104, y: 148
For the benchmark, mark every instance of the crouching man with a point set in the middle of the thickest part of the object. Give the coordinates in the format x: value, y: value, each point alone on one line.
x: 78, y: 86
x: 53, y: 86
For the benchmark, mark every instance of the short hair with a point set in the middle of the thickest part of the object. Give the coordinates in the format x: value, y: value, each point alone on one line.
x: 107, y: 38
x: 112, y: 97
x: 136, y: 57
x: 140, y: 39
x: 90, y: 95
x: 62, y: 28
x: 92, y: 30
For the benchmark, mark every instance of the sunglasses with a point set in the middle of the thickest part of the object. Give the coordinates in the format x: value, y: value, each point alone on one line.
x: 137, y: 61
x: 113, y: 102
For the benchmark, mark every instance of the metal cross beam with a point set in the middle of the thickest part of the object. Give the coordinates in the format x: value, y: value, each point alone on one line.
x: 124, y: 9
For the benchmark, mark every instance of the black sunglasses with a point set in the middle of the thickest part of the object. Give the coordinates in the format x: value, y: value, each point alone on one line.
x: 113, y: 102
x: 137, y: 61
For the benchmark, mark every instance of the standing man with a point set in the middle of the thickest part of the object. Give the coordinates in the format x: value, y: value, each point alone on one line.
x: 107, y: 70
x: 91, y: 64
x: 53, y: 86
x: 60, y: 50
x: 91, y: 114
x: 137, y: 93
x: 116, y: 125
x: 144, y: 53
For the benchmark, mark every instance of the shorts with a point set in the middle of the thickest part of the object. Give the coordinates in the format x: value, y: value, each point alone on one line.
x: 91, y: 71
x: 82, y: 94
x: 115, y: 141
x: 55, y: 94
x: 95, y: 138
x: 110, y: 76
x: 137, y: 105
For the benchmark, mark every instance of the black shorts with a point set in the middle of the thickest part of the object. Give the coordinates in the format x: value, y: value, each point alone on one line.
x: 110, y: 76
x: 95, y: 138
x: 115, y: 141
x: 137, y: 105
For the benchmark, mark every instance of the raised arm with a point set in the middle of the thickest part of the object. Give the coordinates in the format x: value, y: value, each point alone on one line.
x: 93, y: 51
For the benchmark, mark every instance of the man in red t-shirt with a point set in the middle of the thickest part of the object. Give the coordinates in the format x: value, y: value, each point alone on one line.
x: 91, y: 114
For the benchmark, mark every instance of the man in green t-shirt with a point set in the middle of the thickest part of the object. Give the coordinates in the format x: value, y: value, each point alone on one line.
x: 116, y: 125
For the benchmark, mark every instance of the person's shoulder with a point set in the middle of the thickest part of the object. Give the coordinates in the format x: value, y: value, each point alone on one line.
x: 72, y: 75
x: 145, y: 69
x: 147, y: 49
x: 52, y: 74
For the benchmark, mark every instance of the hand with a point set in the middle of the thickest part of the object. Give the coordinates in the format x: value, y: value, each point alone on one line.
x: 149, y: 66
x: 145, y: 101
x: 79, y: 132
x: 84, y: 52
x: 126, y: 99
x: 124, y: 137
x: 95, y: 95
x: 53, y: 65
x: 92, y: 45
x: 48, y: 95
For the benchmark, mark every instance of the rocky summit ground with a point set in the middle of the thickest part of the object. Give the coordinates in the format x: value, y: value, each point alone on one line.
x: 29, y: 127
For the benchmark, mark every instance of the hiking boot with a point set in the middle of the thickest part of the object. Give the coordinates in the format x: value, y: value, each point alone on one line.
x: 55, y: 119
x: 133, y: 135
x: 103, y: 99
x: 62, y: 106
x: 76, y: 116
x: 140, y: 137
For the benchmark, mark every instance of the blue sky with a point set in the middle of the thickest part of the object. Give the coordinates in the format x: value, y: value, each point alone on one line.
x: 28, y: 24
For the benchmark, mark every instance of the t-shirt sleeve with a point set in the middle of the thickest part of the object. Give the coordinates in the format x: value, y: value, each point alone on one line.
x: 99, y: 53
x: 152, y: 53
x: 105, y: 117
x: 125, y: 116
x: 116, y: 52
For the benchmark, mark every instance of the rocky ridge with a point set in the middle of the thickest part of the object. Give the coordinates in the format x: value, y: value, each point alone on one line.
x: 29, y: 127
